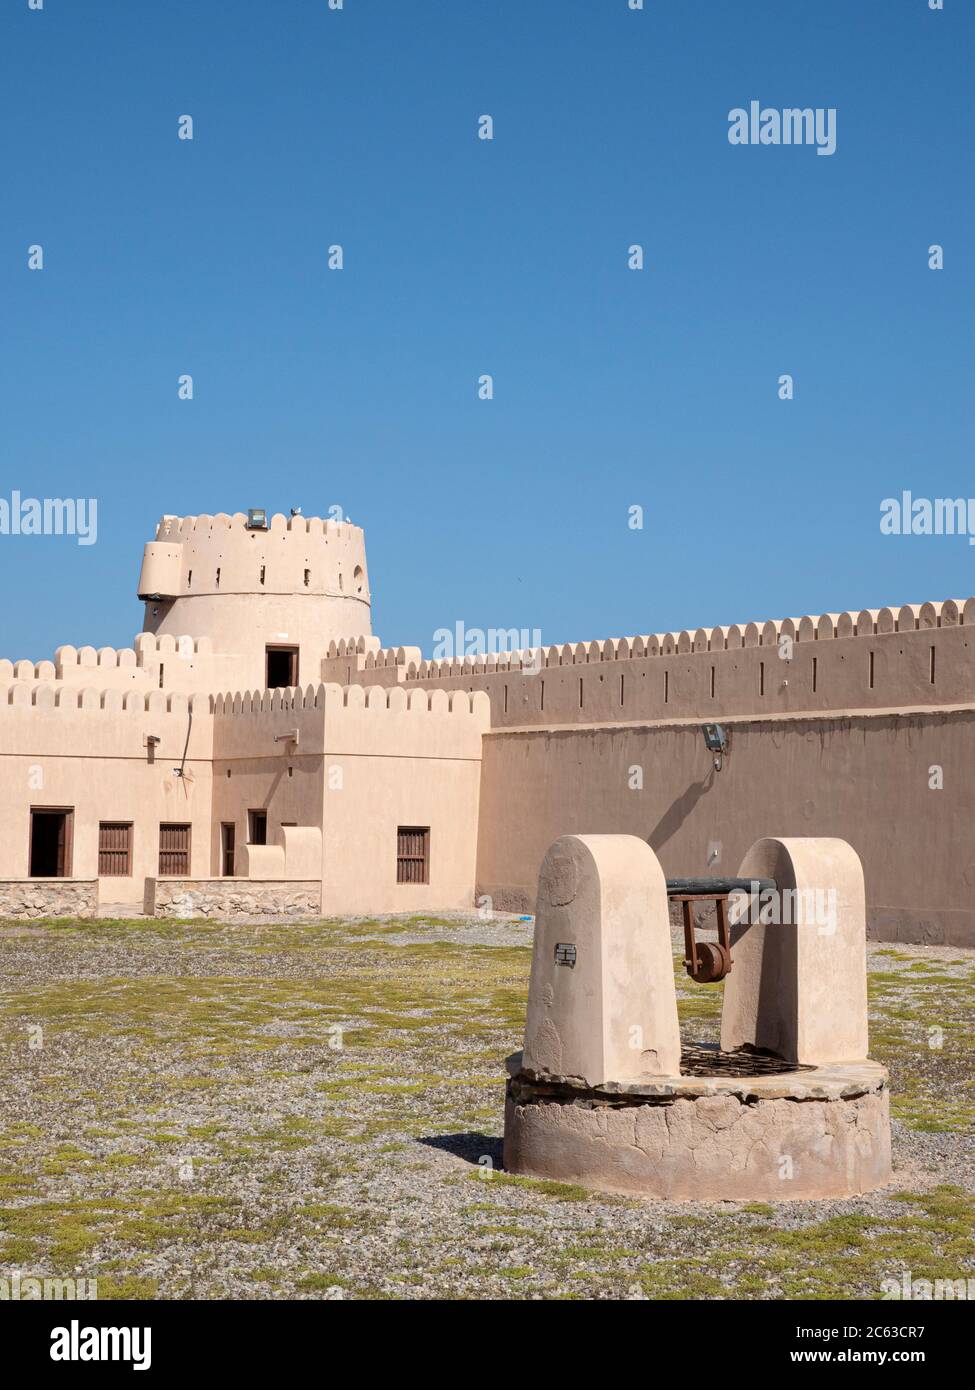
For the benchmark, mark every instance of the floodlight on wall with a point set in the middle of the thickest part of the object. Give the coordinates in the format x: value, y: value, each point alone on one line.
x: 716, y: 742
x: 256, y: 519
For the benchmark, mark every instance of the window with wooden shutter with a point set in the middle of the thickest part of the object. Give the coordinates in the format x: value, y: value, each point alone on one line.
x: 413, y: 854
x: 174, y: 851
x: 228, y: 841
x: 114, y: 849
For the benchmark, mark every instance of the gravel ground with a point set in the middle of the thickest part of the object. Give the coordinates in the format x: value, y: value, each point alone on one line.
x: 197, y: 1110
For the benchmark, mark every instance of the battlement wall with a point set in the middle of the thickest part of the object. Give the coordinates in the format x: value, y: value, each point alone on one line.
x: 165, y: 662
x: 44, y: 719
x: 205, y: 555
x: 917, y: 655
x: 361, y: 720
x: 364, y: 656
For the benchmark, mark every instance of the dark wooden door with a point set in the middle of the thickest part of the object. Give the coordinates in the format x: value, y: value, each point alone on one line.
x: 49, y: 851
x: 229, y: 842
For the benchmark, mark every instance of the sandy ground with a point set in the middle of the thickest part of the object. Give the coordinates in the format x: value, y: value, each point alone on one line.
x: 261, y: 1111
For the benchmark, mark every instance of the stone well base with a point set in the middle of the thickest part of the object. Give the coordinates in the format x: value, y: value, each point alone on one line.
x: 822, y: 1132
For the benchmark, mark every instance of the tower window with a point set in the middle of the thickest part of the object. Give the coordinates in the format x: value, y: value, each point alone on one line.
x: 307, y: 578
x: 263, y: 568
x: 282, y: 667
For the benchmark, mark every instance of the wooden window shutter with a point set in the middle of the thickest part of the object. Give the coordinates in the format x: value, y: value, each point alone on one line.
x: 413, y: 854
x: 114, y: 849
x: 174, y: 851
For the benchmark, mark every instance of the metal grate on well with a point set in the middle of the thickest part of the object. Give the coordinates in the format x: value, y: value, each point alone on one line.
x: 700, y: 1060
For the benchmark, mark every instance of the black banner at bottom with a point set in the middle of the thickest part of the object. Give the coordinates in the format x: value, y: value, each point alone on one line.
x: 166, y: 1339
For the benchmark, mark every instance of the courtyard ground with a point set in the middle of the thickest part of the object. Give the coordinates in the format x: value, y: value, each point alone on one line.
x: 196, y: 1110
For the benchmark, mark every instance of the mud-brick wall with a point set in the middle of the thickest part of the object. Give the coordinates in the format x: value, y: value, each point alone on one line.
x: 899, y: 788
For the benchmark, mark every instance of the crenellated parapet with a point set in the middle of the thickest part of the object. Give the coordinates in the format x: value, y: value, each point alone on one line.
x: 364, y: 657
x: 332, y: 697
x: 221, y: 554
x: 915, y: 656
x: 51, y: 696
x: 870, y: 622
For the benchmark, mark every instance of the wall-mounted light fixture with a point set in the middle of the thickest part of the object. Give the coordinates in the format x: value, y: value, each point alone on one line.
x: 716, y: 742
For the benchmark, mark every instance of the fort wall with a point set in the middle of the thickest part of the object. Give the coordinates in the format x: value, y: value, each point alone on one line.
x: 351, y: 764
x: 920, y: 654
x: 89, y: 750
x: 894, y: 785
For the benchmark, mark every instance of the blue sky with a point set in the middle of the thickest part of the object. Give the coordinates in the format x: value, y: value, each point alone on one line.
x: 613, y: 387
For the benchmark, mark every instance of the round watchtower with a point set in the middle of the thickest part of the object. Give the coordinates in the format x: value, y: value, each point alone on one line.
x: 273, y: 591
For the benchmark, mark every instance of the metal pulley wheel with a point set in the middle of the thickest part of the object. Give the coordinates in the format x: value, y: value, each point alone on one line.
x: 713, y: 962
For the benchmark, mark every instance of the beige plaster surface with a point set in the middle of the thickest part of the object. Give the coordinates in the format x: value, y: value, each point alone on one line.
x: 612, y: 1011
x: 799, y: 990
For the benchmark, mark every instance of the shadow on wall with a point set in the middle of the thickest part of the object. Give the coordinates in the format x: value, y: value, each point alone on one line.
x: 676, y: 814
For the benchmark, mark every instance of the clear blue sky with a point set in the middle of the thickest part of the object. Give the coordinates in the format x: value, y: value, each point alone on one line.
x: 612, y: 387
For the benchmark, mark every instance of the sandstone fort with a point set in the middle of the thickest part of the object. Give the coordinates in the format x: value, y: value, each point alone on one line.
x: 258, y: 750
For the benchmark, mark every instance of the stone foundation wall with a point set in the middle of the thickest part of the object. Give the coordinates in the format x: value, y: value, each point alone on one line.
x: 706, y: 1148
x: 231, y: 897
x: 48, y: 897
